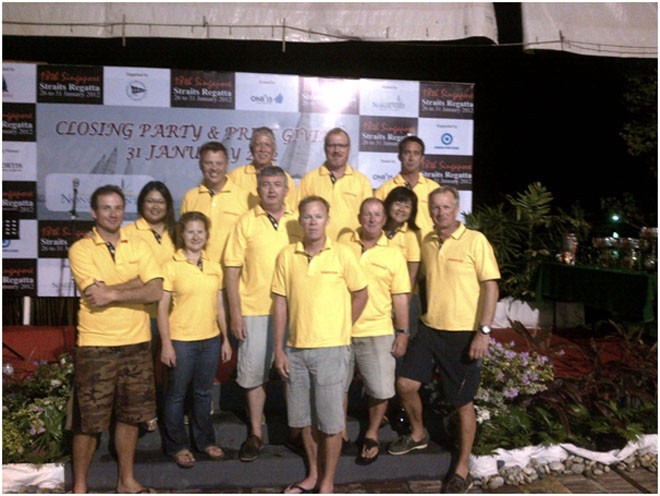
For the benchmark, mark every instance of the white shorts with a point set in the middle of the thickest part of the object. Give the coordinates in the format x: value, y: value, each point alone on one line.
x: 255, y: 352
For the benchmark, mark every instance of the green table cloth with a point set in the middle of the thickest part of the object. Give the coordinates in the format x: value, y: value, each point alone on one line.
x: 628, y: 294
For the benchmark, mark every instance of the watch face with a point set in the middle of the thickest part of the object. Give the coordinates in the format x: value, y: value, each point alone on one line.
x: 485, y: 329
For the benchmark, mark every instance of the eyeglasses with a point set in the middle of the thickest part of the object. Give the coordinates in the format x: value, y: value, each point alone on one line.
x: 152, y: 201
x: 341, y: 146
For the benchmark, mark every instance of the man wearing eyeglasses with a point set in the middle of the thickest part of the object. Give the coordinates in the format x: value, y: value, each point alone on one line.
x: 343, y: 187
x: 263, y: 150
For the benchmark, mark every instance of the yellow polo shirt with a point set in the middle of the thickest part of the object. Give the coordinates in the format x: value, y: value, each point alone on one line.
x: 454, y: 270
x: 246, y: 177
x: 253, y: 245
x: 387, y: 275
x: 407, y: 241
x: 194, y: 314
x: 318, y: 293
x: 344, y: 196
x: 120, y: 324
x: 163, y: 251
x: 223, y: 209
x: 422, y: 189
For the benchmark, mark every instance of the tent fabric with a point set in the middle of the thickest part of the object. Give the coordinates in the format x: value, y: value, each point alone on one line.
x: 293, y: 22
x: 602, y: 29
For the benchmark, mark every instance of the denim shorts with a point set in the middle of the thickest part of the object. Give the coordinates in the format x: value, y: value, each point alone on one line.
x: 373, y: 356
x: 315, y: 389
x: 109, y: 379
x: 449, y: 350
x: 255, y: 352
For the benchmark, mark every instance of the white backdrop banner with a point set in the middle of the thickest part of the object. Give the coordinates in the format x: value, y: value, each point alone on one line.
x: 127, y: 126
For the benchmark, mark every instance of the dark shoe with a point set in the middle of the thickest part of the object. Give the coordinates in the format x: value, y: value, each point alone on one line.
x: 348, y: 448
x: 406, y: 444
x: 368, y: 444
x: 457, y: 484
x: 298, y: 489
x: 250, y: 449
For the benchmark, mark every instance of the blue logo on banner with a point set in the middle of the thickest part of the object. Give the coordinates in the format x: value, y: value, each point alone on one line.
x: 6, y: 243
x: 446, y: 139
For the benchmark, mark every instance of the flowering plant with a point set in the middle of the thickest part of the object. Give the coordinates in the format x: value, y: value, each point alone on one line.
x: 509, y: 381
x: 507, y: 377
x: 34, y: 413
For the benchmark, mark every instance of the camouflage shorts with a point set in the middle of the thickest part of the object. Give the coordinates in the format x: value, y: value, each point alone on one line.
x: 113, y: 379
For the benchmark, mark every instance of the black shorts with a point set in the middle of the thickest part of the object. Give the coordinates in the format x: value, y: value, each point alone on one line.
x: 459, y: 375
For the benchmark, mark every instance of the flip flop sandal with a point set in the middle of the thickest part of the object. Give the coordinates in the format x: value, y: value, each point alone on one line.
x: 368, y: 443
x: 184, y: 459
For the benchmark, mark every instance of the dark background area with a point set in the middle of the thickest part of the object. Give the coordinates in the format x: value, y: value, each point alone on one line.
x: 549, y: 116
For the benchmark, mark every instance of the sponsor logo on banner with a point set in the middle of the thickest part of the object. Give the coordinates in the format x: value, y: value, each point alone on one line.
x: 69, y: 84
x: 266, y: 92
x: 59, y: 190
x: 382, y: 134
x: 447, y: 136
x: 19, y: 161
x: 19, y: 122
x: 448, y: 100
x: 132, y: 86
x: 379, y: 167
x: 19, y: 199
x: 449, y: 171
x: 202, y: 89
x: 55, y: 237
x: 323, y: 95
x: 19, y: 83
x: 19, y: 238
x: 55, y: 278
x: 389, y: 97
x: 19, y: 277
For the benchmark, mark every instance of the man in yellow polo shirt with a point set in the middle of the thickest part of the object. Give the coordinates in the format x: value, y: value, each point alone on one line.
x: 252, y: 248
x: 461, y: 283
x: 320, y: 290
x: 376, y: 345
x: 411, y: 156
x: 217, y: 197
x: 263, y: 149
x: 343, y: 187
x: 117, y: 277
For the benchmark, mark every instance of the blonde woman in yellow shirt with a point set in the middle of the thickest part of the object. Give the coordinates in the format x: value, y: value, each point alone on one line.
x: 191, y: 337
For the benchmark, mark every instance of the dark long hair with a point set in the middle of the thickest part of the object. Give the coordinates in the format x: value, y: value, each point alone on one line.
x: 401, y: 194
x: 170, y: 221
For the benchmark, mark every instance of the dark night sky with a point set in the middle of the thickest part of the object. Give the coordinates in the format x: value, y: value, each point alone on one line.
x: 551, y: 117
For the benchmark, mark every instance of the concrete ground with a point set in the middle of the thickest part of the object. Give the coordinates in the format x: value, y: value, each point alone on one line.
x: 639, y: 481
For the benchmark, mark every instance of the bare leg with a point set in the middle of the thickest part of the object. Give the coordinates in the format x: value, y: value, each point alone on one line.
x: 311, y: 443
x: 408, y: 391
x: 377, y: 410
x: 126, y: 436
x: 84, y: 446
x: 329, y: 452
x: 256, y: 399
x: 467, y: 421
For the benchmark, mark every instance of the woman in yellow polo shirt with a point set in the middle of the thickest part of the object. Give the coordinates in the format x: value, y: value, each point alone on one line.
x: 401, y: 227
x: 191, y: 336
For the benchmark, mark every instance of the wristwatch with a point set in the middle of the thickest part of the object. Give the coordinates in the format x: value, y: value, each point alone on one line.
x: 403, y: 331
x: 484, y: 329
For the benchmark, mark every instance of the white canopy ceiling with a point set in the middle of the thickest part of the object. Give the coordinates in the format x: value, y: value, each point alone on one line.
x: 299, y: 22
x: 606, y: 29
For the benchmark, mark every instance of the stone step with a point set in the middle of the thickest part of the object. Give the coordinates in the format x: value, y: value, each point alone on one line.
x: 276, y: 465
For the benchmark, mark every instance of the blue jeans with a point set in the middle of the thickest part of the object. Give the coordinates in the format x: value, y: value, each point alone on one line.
x: 196, y: 362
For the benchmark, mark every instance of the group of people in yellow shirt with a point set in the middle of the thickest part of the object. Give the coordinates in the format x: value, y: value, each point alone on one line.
x: 313, y: 291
